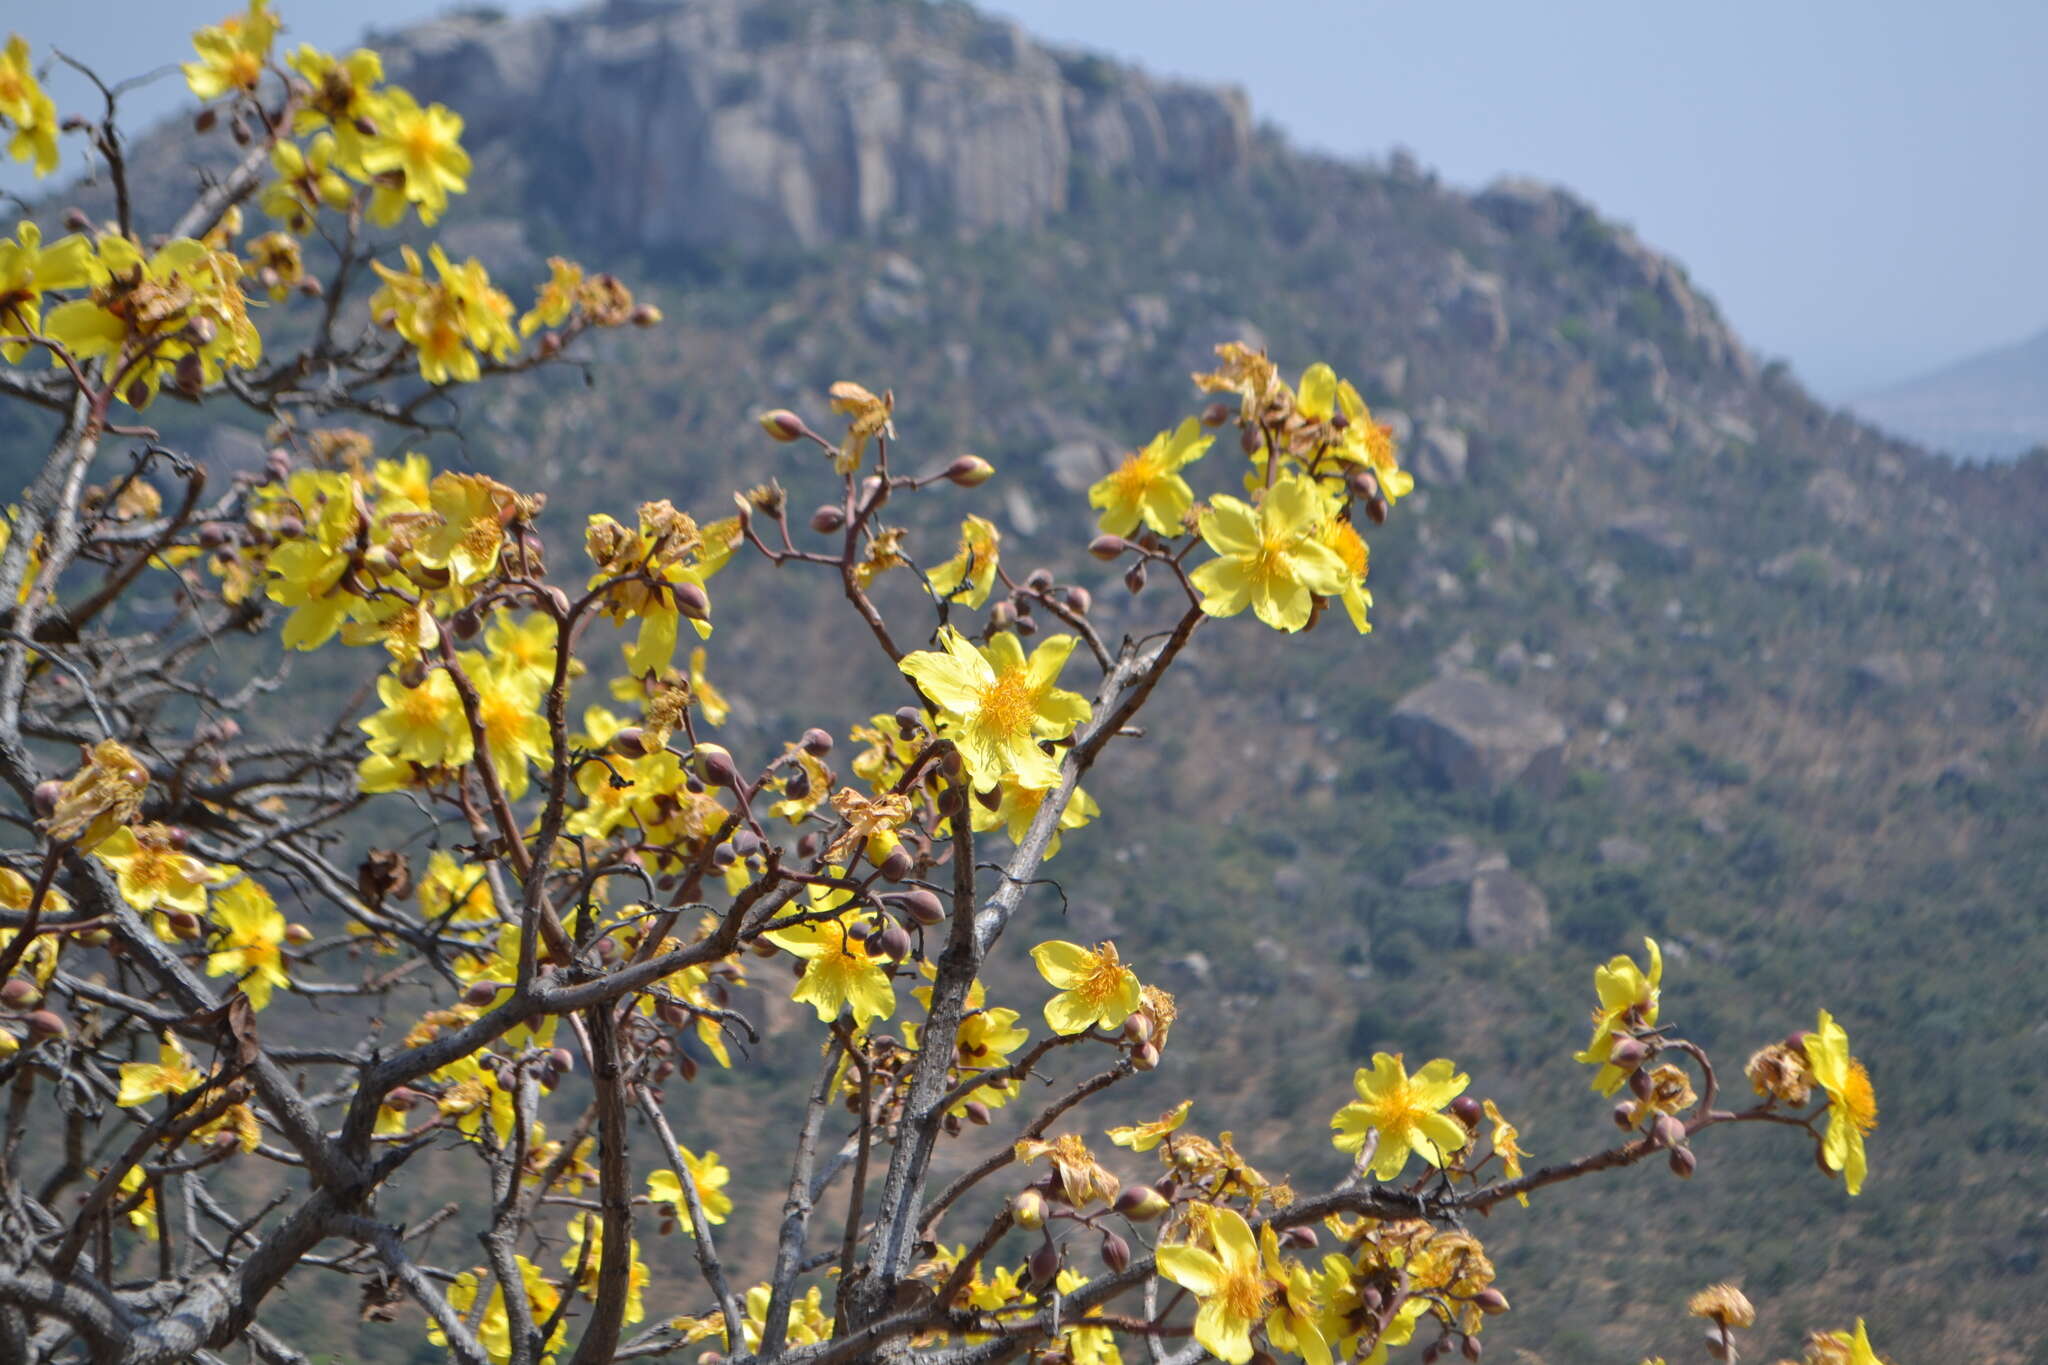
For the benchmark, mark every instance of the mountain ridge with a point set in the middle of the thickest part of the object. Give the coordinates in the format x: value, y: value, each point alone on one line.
x: 1990, y: 405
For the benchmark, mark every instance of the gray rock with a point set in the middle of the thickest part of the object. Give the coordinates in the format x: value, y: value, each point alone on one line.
x: 1479, y: 736
x: 1453, y: 862
x: 1617, y: 851
x: 1883, y: 672
x: 1504, y: 912
x: 926, y: 118
x: 1473, y: 304
x: 1811, y: 564
x: 1649, y: 531
x: 1510, y: 660
x: 1442, y: 455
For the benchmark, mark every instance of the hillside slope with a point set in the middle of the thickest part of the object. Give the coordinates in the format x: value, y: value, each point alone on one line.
x: 1796, y: 665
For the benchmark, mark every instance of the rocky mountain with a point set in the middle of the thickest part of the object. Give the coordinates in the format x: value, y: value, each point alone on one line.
x: 1663, y: 645
x: 1990, y: 406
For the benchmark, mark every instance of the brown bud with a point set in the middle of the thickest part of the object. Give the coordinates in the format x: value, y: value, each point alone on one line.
x: 1625, y: 1115
x: 1683, y: 1162
x: 204, y: 120
x: 970, y: 471
x: 892, y: 943
x: 47, y: 795
x: 189, y: 374
x: 1376, y: 510
x: 138, y: 393
x: 723, y: 857
x: 1145, y: 1056
x: 909, y: 720
x: 1079, y: 600
x: 1116, y: 1253
x: 922, y: 905
x: 44, y: 1024
x: 827, y: 519
x: 1668, y: 1131
x: 873, y: 493
x: 976, y: 1113
x: 480, y: 993
x: 644, y: 315
x: 1627, y: 1053
x: 1251, y: 440
x: 184, y: 925
x: 465, y: 624
x: 1038, y: 580
x: 691, y: 601
x: 1490, y: 1300
x: 783, y: 425
x: 1796, y: 1040
x: 1639, y: 1084
x: 1106, y: 548
x: 1141, y: 1203
x: 1027, y: 1209
x: 1138, y: 1028
x: 1470, y: 1347
x: 1044, y: 1265
x: 1303, y: 1238
x: 1134, y: 578
x: 631, y: 741
x: 717, y: 766
x: 1468, y: 1111
x: 898, y: 865
x: 18, y: 994
x: 297, y: 934
x: 1215, y: 415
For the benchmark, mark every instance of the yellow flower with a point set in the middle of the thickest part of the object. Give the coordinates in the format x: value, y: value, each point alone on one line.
x: 970, y: 575
x: 1295, y: 1324
x: 471, y: 1095
x: 870, y: 416
x: 232, y: 53
x: 148, y: 310
x: 1368, y: 441
x: 1401, y: 1111
x: 1271, y: 558
x: 708, y: 1174
x: 589, y: 1227
x: 1145, y: 1136
x: 422, y: 725
x: 172, y: 1073
x: 153, y: 873
x: 98, y: 799
x: 307, y: 180
x: 1018, y: 807
x: 25, y: 105
x: 997, y: 705
x: 1628, y: 999
x: 1342, y: 538
x: 1230, y: 1283
x: 1148, y: 487
x: 838, y: 971
x: 1094, y: 987
x: 1506, y: 1139
x: 494, y: 1326
x: 142, y: 1216
x: 1083, y: 1180
x: 448, y: 321
x: 711, y: 703
x: 424, y: 146
x: 451, y: 891
x: 556, y: 298
x: 1852, y: 1101
x: 508, y: 705
x: 251, y: 945
x: 343, y: 97
x: 28, y: 270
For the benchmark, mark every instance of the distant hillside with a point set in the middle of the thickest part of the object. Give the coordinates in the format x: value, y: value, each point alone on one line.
x: 1775, y: 678
x: 1991, y: 406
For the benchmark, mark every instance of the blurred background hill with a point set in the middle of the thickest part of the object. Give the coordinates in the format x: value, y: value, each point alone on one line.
x: 1665, y: 645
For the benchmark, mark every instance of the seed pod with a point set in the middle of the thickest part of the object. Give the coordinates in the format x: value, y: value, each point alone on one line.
x: 970, y: 471
x: 1141, y: 1203
x: 1106, y: 548
x: 783, y: 425
x: 18, y: 994
x: 1468, y: 1111
x: 828, y: 519
x: 1116, y: 1253
x: 1683, y: 1162
x: 1027, y: 1209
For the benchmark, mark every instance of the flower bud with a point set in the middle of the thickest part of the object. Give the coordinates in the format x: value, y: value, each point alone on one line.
x: 1251, y: 440
x: 1141, y: 1203
x: 189, y: 374
x: 1668, y: 1131
x: 723, y: 857
x: 1134, y: 578
x: 892, y: 943
x: 298, y: 934
x: 816, y: 742
x: 1079, y: 600
x: 873, y: 493
x: 138, y: 393
x: 1468, y: 1111
x: 1625, y: 1115
x: 714, y: 764
x: 631, y: 741
x: 480, y: 993
x: 783, y: 425
x: 922, y: 905
x: 1683, y: 1162
x: 1490, y: 1300
x: 1796, y: 1040
x: 18, y: 994
x: 1145, y: 1056
x: 44, y: 1024
x: 1376, y: 510
x: 691, y: 601
x: 202, y: 122
x: 1216, y: 414
x: 1044, y: 1265
x: 827, y: 519
x: 1640, y: 1085
x: 976, y: 1113
x: 1106, y: 548
x: 644, y: 315
x: 1470, y: 1347
x: 1027, y: 1209
x: 1627, y: 1053
x: 1138, y: 1028
x: 970, y: 471
x: 1302, y: 1238
x: 1116, y: 1253
x: 184, y: 925
x: 1038, y: 580
x: 47, y: 795
x: 898, y: 865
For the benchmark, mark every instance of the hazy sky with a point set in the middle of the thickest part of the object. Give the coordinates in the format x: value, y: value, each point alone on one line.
x: 1853, y: 180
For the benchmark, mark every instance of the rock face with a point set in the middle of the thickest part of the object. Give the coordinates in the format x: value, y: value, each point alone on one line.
x: 1505, y: 913
x: 1480, y: 736
x: 1456, y: 860
x: 770, y: 122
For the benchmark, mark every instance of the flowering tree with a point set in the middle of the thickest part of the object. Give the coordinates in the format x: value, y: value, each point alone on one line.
x: 184, y: 1132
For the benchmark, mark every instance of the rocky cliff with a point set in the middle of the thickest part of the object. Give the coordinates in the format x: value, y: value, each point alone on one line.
x: 724, y: 122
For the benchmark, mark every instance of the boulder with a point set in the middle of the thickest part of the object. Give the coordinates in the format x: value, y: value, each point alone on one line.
x: 1505, y: 913
x: 1479, y: 736
x: 1617, y: 851
x: 1649, y: 532
x: 1442, y: 456
x: 1886, y: 672
x: 1454, y: 862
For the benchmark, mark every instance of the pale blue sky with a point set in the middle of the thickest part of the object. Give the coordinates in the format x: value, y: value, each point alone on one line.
x: 1851, y: 179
